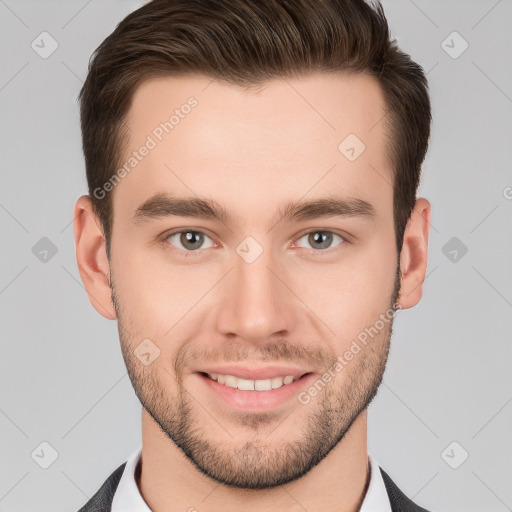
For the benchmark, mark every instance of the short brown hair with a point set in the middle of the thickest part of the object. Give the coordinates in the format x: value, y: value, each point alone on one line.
x: 245, y: 43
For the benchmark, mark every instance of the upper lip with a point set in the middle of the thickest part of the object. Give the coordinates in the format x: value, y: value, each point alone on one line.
x: 261, y: 373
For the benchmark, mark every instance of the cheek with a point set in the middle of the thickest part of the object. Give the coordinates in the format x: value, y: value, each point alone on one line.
x: 347, y: 294
x: 352, y: 294
x: 157, y: 295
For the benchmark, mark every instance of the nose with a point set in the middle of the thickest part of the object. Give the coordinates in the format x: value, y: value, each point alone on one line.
x: 256, y: 302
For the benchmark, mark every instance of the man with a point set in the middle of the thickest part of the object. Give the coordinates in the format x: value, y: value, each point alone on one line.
x: 253, y: 226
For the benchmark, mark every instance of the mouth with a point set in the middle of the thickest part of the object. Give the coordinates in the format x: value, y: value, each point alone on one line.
x: 254, y: 395
x: 253, y: 384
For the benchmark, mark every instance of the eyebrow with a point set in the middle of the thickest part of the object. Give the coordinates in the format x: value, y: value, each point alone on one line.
x: 164, y: 205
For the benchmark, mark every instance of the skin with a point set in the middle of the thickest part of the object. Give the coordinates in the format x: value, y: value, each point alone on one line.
x: 253, y: 151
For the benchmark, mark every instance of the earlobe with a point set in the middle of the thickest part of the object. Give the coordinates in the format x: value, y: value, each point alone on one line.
x: 414, y: 255
x: 91, y: 257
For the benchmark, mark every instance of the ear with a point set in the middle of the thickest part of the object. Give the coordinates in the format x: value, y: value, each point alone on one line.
x: 91, y: 257
x: 413, y: 257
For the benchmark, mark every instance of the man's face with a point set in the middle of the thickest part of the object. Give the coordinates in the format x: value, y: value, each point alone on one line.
x: 256, y: 290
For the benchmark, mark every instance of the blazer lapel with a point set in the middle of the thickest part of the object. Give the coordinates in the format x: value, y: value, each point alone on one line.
x: 102, y: 500
x: 399, y: 501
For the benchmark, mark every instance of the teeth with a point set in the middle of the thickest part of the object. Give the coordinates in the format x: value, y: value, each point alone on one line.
x: 252, y: 385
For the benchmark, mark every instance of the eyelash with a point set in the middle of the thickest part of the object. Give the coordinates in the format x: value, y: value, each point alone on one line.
x: 198, y: 252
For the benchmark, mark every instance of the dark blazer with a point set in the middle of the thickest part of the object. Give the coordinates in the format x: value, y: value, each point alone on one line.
x: 102, y: 500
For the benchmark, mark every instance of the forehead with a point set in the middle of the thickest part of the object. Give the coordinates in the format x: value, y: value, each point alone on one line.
x: 255, y: 148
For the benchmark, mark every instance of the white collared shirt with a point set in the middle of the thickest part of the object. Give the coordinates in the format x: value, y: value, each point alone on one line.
x: 127, y: 497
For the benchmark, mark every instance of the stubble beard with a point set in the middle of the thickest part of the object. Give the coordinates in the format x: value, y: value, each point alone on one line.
x: 257, y: 463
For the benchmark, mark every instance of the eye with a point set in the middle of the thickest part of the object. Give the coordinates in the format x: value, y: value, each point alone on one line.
x: 321, y: 240
x: 189, y: 240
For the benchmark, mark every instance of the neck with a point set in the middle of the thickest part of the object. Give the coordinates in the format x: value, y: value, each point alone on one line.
x: 169, y: 481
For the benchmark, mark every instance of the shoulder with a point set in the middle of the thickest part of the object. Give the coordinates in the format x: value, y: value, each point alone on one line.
x: 399, y: 501
x: 102, y: 499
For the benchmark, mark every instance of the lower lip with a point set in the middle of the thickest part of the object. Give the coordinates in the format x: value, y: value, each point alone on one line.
x: 256, y: 400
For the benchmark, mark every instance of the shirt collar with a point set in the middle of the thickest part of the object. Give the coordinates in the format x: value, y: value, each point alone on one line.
x: 376, y: 498
x: 127, y: 497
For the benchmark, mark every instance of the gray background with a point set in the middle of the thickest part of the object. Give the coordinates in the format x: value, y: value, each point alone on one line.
x: 63, y: 380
